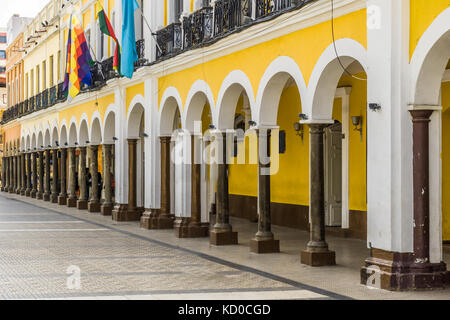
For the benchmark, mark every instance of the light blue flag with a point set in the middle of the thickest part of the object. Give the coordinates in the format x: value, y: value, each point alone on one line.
x: 129, y: 54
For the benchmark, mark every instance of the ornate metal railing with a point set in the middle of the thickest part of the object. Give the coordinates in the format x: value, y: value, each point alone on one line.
x: 198, y: 27
x: 229, y: 14
x: 268, y: 7
x: 108, y: 68
x: 140, y: 48
x: 38, y: 101
x: 169, y: 40
x: 21, y: 110
x: 31, y: 104
x: 25, y: 106
x: 52, y: 96
x: 60, y: 95
x: 44, y: 98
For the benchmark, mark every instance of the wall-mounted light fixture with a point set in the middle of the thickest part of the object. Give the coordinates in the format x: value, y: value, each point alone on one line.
x: 374, y: 106
x: 144, y: 135
x: 115, y: 138
x: 211, y: 126
x: 358, y: 122
x: 303, y: 116
x: 65, y: 143
x: 299, y: 129
x: 251, y: 123
x: 87, y: 142
x: 75, y: 143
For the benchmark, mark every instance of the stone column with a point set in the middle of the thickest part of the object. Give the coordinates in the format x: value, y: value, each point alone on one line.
x: 161, y: 218
x: 23, y: 174
x: 72, y: 199
x: 94, y: 201
x: 82, y: 200
x: 194, y: 227
x: 28, y: 175
x: 431, y: 273
x: 34, y: 176
x: 47, y: 176
x: 54, y: 195
x: 107, y: 205
x: 40, y: 193
x: 62, y: 197
x: 130, y: 213
x: 264, y: 242
x: 18, y: 173
x: 221, y: 233
x: 12, y: 173
x: 317, y: 253
x: 6, y: 186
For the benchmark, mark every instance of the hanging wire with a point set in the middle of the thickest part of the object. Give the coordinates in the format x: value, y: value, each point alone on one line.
x: 335, y: 49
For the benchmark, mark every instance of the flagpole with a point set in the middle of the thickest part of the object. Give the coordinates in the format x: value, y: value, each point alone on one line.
x: 151, y: 32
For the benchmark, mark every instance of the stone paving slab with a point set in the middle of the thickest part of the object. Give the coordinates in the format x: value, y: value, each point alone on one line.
x: 39, y: 254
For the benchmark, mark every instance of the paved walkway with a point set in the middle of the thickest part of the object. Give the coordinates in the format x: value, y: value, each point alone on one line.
x: 43, y: 248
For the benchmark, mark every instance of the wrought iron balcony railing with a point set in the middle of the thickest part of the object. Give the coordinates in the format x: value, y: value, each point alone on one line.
x: 60, y: 95
x: 52, y: 96
x: 230, y: 14
x: 169, y: 40
x: 38, y: 101
x: 140, y: 48
x: 198, y: 27
x: 25, y: 106
x: 31, y: 104
x: 44, y: 98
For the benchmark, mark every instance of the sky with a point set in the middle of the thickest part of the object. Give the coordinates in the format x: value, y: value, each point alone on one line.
x: 25, y: 8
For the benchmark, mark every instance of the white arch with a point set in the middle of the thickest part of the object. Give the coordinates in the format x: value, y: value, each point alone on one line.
x: 95, y: 132
x: 73, y: 132
x: 232, y: 86
x: 326, y: 74
x: 429, y: 61
x: 138, y: 100
x: 106, y: 132
x: 271, y: 87
x: 170, y: 101
x: 55, y: 135
x: 63, y: 135
x: 83, y: 130
x: 33, y: 145
x: 199, y: 94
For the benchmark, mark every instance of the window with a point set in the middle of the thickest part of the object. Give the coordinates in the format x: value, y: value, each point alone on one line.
x: 38, y: 74
x: 26, y: 86
x: 178, y: 9
x: 2, y: 54
x: 59, y: 64
x: 50, y: 69
x: 2, y: 39
x: 100, y: 44
x: 44, y: 75
x: 32, y: 83
x: 2, y: 69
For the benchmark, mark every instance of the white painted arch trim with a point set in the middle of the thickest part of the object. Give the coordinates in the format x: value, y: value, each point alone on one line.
x: 425, y: 68
x: 137, y: 99
x: 199, y: 87
x: 325, y: 77
x: 164, y: 127
x: 96, y: 115
x: 235, y: 77
x: 282, y: 64
x: 83, y: 118
x: 112, y: 108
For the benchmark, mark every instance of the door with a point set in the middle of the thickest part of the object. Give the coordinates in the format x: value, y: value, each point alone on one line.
x: 333, y: 174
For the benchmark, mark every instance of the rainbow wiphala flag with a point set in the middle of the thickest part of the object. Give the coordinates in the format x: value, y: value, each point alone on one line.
x: 79, y: 61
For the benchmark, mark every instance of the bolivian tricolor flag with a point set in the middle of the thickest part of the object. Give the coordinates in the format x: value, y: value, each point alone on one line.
x: 106, y: 28
x: 79, y: 61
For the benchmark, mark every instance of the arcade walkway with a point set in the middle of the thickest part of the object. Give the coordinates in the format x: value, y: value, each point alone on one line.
x: 43, y: 246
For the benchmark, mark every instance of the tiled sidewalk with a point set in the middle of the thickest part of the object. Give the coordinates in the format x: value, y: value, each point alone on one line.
x: 121, y: 260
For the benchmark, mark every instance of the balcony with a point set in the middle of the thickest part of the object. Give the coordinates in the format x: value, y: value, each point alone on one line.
x: 52, y: 96
x: 210, y: 23
x: 60, y: 96
x: 140, y: 48
x: 38, y: 101
x: 44, y: 99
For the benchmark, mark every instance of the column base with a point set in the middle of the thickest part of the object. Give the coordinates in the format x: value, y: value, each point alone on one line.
x: 93, y: 206
x: 39, y: 196
x: 395, y: 271
x: 27, y: 192
x: 121, y: 213
x: 33, y: 193
x: 17, y: 191
x: 46, y: 197
x: 223, y: 238
x: 71, y: 202
x: 62, y: 200
x: 22, y: 192
x: 191, y: 230
x: 106, y: 209
x: 318, y: 259
x: 153, y: 219
x: 264, y: 246
x: 82, y: 204
x: 54, y: 198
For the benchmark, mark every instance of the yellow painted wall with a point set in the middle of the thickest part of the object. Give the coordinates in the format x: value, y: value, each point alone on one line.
x: 423, y: 13
x: 446, y: 161
x: 304, y: 46
x: 132, y: 92
x: 89, y: 108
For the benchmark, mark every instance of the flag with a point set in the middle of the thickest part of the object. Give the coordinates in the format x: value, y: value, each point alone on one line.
x: 106, y: 28
x: 129, y: 53
x: 79, y: 61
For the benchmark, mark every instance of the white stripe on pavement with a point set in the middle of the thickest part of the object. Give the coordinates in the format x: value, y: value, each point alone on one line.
x: 50, y: 230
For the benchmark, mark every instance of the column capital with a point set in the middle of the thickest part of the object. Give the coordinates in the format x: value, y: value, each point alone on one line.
x: 421, y: 115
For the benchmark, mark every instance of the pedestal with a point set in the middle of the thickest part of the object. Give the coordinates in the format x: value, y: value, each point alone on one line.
x: 264, y: 246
